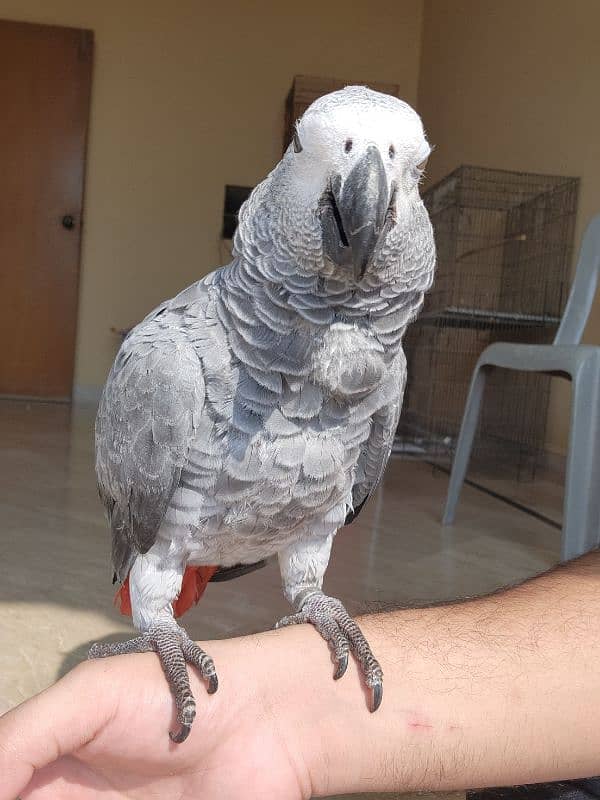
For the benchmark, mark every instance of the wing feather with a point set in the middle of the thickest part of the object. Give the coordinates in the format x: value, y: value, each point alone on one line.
x: 376, y: 451
x: 145, y: 424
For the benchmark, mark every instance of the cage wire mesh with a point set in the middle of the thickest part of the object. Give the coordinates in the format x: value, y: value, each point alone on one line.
x: 504, y: 247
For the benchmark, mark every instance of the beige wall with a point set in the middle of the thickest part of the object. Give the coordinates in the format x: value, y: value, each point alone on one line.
x: 188, y: 96
x: 515, y: 84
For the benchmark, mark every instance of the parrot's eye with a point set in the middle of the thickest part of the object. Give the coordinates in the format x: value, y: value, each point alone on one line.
x: 392, y: 151
x: 348, y: 145
x: 297, y: 142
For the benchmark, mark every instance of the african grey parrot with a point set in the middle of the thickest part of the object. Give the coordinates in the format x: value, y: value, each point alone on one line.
x: 253, y: 414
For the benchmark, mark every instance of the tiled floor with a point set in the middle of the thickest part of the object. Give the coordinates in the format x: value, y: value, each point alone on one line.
x: 55, y: 578
x: 540, y: 494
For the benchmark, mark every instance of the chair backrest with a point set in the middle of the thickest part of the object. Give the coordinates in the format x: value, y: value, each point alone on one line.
x: 584, y: 286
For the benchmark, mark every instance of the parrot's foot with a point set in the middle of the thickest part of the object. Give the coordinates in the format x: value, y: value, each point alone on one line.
x: 174, y: 648
x: 342, y: 634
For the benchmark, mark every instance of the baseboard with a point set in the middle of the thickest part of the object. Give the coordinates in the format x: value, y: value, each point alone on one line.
x: 555, y: 464
x: 86, y: 394
x: 418, y: 445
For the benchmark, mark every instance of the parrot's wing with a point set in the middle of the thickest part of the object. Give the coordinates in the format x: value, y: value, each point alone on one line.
x: 373, y: 458
x: 151, y: 401
x: 376, y: 450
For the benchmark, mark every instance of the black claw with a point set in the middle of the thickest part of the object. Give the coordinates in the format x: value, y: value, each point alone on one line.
x: 377, y: 696
x: 341, y: 667
x: 213, y: 684
x: 180, y: 737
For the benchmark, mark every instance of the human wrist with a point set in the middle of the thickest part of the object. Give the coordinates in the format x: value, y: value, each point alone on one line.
x: 337, y: 745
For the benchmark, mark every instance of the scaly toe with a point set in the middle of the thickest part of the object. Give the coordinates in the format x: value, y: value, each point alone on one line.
x: 181, y: 735
x: 95, y: 651
x: 342, y: 633
x: 292, y: 619
x: 342, y: 666
x: 141, y: 644
x: 377, y: 697
x: 196, y: 656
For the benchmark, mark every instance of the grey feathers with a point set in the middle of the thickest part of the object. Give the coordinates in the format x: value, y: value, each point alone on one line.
x: 151, y: 403
x: 213, y: 422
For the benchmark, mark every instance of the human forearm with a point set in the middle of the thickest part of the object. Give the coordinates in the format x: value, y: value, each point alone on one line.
x: 498, y: 690
x: 493, y: 691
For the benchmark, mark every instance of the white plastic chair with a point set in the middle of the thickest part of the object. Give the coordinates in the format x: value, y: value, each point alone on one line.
x: 566, y: 358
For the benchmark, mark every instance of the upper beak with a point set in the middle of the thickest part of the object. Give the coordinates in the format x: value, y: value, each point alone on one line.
x: 361, y: 203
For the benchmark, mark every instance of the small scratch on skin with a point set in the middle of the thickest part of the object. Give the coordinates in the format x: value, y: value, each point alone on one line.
x: 417, y: 722
x: 419, y: 726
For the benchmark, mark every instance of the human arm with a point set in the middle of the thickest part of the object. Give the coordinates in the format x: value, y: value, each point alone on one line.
x: 493, y: 691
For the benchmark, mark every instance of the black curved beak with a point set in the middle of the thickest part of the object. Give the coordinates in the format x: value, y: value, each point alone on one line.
x: 354, y: 214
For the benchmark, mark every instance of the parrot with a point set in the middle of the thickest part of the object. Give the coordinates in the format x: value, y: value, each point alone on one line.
x: 252, y: 416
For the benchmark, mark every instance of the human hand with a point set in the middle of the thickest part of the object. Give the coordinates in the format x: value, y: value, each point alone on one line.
x: 101, y: 733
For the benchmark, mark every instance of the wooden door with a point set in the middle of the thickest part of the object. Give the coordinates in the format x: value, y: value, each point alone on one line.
x: 45, y: 77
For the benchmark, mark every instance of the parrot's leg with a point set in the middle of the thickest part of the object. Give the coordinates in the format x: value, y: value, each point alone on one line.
x: 154, y: 585
x: 303, y: 566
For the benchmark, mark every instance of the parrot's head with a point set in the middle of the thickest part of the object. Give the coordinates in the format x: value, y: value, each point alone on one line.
x: 344, y: 201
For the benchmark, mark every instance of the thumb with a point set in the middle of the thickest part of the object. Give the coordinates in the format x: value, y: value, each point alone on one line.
x: 52, y: 724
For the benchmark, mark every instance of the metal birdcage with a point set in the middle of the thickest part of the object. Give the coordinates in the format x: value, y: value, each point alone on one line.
x: 504, y: 247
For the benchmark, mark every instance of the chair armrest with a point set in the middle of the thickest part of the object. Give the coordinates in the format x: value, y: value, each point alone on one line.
x: 557, y: 359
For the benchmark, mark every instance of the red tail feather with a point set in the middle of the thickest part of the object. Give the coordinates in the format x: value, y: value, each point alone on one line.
x: 192, y: 588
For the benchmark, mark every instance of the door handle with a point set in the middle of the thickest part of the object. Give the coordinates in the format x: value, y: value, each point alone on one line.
x: 68, y: 222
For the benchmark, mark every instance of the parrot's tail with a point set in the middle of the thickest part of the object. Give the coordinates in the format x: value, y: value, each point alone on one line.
x: 192, y: 588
